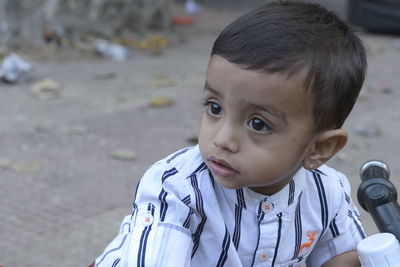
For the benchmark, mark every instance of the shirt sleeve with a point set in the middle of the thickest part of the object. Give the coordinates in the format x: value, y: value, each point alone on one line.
x: 345, y: 230
x: 157, y: 233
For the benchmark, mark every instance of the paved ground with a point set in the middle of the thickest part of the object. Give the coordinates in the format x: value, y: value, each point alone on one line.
x: 63, y: 194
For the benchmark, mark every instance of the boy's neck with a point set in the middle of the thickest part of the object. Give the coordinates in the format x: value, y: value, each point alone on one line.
x: 269, y: 190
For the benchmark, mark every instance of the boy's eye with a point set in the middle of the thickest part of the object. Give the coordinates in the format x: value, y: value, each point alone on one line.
x: 259, y: 125
x: 214, y: 108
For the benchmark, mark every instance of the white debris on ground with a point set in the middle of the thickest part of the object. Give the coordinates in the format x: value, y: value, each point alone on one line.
x: 14, y: 69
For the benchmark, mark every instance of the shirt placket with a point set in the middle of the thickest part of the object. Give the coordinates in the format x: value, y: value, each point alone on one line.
x: 268, y: 228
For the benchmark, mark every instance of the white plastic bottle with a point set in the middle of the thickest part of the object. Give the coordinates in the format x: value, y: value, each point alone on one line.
x: 379, y: 250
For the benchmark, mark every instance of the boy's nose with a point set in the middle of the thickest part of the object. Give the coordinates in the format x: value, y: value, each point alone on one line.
x: 226, y: 138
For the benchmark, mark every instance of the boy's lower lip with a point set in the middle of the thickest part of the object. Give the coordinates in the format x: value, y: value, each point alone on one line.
x: 220, y: 170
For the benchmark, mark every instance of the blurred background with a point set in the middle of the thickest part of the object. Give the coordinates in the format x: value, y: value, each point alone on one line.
x: 95, y: 91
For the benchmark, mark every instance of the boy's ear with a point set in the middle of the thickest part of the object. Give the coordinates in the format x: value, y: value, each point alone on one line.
x: 326, y: 145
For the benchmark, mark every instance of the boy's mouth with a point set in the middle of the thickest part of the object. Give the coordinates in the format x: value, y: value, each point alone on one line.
x: 221, y: 167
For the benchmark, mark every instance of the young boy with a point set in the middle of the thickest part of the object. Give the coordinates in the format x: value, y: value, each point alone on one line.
x: 280, y: 82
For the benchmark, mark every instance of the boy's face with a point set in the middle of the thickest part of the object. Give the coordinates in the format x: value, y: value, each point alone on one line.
x: 256, y: 128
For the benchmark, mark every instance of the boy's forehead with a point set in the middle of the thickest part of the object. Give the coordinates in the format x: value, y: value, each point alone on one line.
x: 258, y: 87
x: 218, y: 66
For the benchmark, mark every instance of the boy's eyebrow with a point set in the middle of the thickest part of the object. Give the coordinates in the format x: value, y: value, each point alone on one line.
x: 271, y: 110
x: 209, y: 88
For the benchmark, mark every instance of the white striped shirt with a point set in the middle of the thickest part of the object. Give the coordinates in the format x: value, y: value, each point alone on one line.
x: 181, y: 217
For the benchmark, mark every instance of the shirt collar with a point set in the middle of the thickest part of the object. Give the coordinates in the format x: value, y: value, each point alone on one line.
x: 278, y: 202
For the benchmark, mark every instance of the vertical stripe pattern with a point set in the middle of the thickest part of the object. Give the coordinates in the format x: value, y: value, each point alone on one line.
x: 143, y: 239
x: 298, y: 229
x: 179, y: 208
x: 186, y: 223
x: 225, y: 247
x: 238, y: 217
x: 163, y: 194
x: 333, y: 228
x: 260, y: 217
x: 199, y: 208
x: 212, y: 178
x: 187, y: 201
x: 347, y: 198
x: 322, y: 200
x: 278, y: 239
x: 360, y: 230
x: 236, y: 231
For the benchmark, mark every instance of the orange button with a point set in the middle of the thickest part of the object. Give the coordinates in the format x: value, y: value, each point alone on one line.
x: 263, y: 256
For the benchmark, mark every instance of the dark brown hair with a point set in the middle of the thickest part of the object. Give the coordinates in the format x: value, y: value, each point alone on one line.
x: 290, y: 37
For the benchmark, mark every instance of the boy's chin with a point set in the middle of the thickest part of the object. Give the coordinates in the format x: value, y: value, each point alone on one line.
x: 225, y: 184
